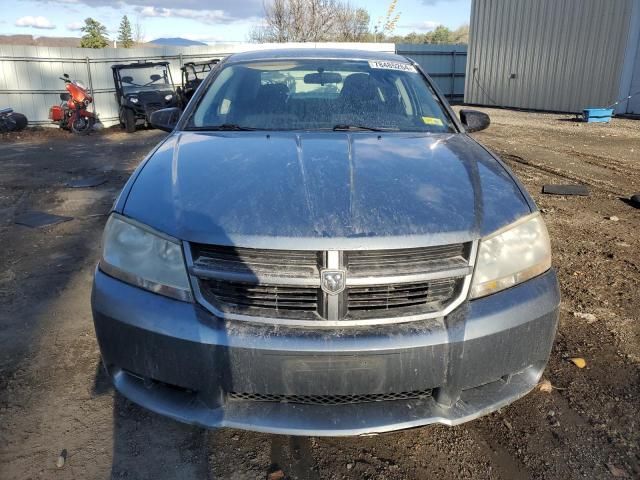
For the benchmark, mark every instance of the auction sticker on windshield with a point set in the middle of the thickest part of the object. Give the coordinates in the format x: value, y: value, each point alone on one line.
x: 405, y: 67
x: 432, y: 121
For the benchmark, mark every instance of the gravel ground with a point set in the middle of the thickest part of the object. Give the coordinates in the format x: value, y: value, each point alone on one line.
x: 54, y: 396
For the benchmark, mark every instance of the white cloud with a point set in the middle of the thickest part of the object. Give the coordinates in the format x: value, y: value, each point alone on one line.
x: 231, y: 10
x: 206, y: 16
x: 425, y: 26
x: 203, y: 16
x: 75, y: 26
x: 35, y: 22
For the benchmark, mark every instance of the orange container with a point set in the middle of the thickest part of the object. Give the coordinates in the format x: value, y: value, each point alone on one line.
x: 56, y: 113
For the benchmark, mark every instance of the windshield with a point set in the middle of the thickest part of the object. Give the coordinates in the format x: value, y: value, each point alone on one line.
x: 307, y: 94
x: 144, y: 79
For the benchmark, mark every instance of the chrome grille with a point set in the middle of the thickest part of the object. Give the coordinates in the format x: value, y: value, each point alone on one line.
x: 365, y: 263
x: 401, y: 298
x: 253, y: 299
x: 329, y: 399
x: 249, y: 263
x: 390, y: 285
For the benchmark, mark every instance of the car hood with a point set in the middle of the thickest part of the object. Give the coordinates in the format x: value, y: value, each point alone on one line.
x: 323, y: 189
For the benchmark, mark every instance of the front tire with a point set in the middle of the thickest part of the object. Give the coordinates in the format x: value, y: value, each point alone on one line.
x: 20, y: 121
x: 129, y: 120
x: 82, y: 125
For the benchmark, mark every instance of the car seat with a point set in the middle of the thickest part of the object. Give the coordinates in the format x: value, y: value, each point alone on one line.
x: 359, y: 94
x: 272, y: 98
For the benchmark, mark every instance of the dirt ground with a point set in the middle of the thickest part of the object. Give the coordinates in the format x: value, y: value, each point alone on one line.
x: 54, y: 396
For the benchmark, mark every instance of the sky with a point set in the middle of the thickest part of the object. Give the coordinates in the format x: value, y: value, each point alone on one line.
x: 208, y: 21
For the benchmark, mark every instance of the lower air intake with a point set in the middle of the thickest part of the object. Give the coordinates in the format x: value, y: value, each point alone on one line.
x: 330, y: 399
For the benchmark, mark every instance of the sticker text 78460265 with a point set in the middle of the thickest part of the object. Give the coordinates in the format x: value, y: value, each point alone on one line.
x: 386, y: 65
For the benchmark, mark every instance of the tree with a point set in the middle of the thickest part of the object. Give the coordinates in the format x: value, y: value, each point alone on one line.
x: 311, y: 21
x: 387, y: 25
x: 277, y: 23
x: 95, y: 34
x: 460, y: 35
x: 138, y: 31
x: 352, y: 25
x: 412, y: 37
x: 439, y: 36
x: 125, y: 39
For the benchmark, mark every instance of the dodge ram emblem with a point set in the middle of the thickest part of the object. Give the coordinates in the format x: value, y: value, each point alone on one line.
x: 332, y: 281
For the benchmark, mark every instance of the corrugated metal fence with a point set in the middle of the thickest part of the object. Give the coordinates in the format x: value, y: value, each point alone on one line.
x: 446, y: 64
x: 30, y: 83
x: 558, y: 55
x: 29, y: 80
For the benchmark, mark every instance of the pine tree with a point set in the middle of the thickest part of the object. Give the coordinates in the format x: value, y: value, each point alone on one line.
x: 95, y: 34
x: 125, y: 39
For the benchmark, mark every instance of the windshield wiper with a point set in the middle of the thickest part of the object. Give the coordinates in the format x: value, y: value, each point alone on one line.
x: 345, y: 126
x: 229, y: 127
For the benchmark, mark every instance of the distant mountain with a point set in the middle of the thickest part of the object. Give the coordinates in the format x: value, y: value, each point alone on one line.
x: 177, y: 42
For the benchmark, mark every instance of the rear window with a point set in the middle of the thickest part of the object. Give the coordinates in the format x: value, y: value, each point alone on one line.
x: 307, y: 94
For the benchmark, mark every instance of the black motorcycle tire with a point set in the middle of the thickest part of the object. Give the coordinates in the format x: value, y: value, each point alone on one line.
x: 14, y: 122
x: 129, y: 120
x: 20, y: 121
x: 82, y: 126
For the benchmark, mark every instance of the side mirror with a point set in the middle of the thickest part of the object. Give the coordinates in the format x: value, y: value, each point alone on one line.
x: 165, y: 119
x: 474, y: 121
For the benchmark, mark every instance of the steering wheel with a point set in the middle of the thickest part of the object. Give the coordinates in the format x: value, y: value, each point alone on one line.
x: 154, y: 78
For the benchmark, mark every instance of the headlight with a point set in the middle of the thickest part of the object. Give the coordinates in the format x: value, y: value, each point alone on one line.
x: 512, y: 255
x: 133, y: 99
x: 168, y: 97
x: 148, y: 259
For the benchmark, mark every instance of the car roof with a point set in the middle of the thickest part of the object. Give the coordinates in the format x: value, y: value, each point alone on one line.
x: 316, y: 53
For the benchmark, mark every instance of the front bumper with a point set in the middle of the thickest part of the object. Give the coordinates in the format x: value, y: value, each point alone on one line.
x: 177, y: 359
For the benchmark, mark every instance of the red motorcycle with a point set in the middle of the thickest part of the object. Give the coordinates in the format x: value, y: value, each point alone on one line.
x: 72, y: 113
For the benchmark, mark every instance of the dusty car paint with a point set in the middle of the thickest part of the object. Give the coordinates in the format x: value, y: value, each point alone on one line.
x: 225, y: 188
